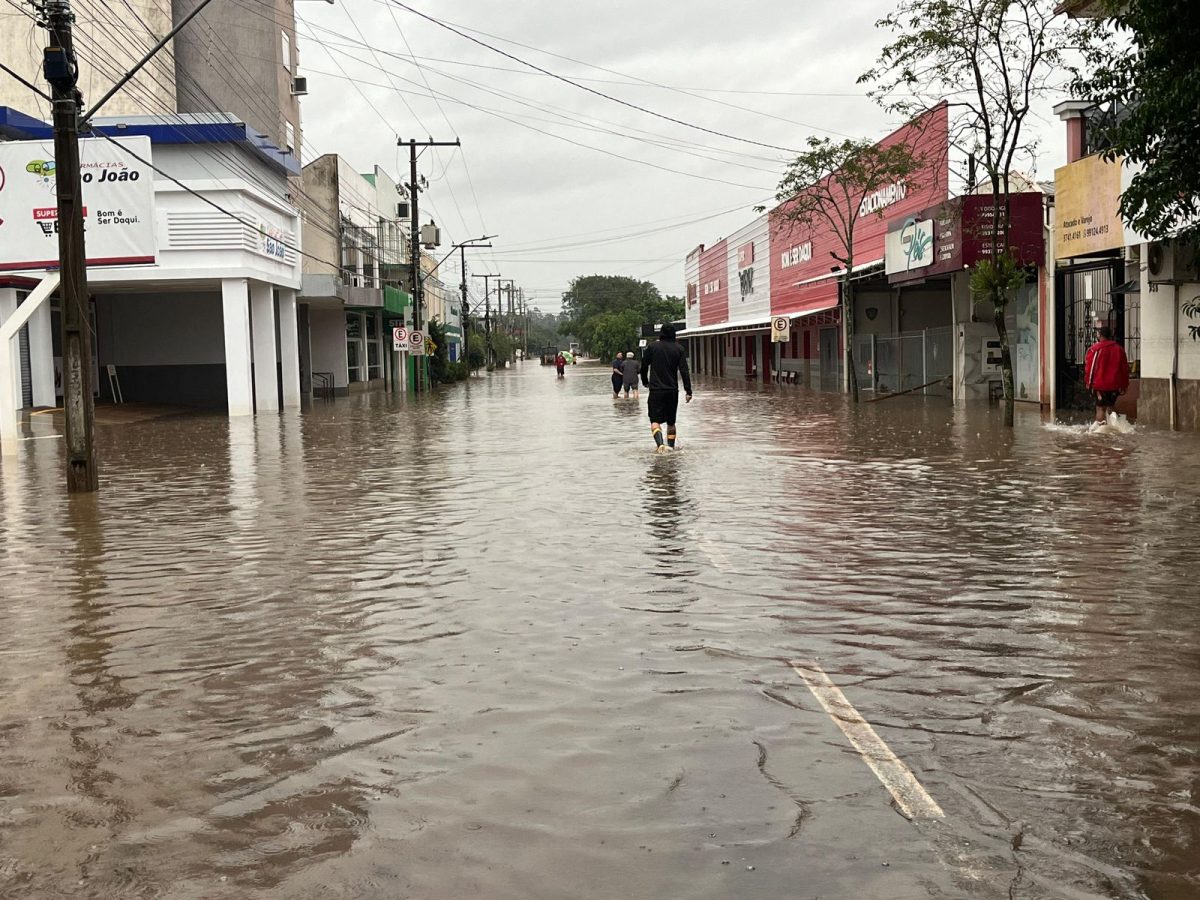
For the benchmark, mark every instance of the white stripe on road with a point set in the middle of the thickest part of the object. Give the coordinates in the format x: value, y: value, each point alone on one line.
x: 913, y: 800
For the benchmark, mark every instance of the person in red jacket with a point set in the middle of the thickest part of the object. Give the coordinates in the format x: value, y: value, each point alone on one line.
x: 560, y: 362
x: 1106, y: 373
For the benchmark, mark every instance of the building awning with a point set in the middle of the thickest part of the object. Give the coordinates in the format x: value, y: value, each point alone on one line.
x: 395, y: 300
x: 757, y: 324
x: 1129, y: 287
x: 743, y: 325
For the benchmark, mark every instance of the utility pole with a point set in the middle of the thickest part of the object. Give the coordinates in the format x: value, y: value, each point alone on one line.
x: 487, y: 311
x: 524, y: 325
x: 60, y: 69
x: 462, y: 249
x: 415, y: 223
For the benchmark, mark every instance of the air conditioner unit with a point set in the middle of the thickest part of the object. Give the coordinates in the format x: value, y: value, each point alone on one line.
x: 299, y: 86
x: 1172, y: 262
x: 357, y: 281
x: 403, y: 210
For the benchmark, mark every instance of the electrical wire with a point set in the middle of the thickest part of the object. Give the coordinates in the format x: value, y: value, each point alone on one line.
x: 595, y: 149
x: 584, y: 87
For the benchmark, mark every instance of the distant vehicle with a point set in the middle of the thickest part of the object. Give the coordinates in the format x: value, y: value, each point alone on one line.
x: 548, y: 355
x: 575, y: 348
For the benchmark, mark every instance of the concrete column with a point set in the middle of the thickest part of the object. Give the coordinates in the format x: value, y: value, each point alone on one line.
x: 10, y: 381
x: 289, y: 347
x: 41, y: 357
x: 235, y: 312
x: 266, y: 363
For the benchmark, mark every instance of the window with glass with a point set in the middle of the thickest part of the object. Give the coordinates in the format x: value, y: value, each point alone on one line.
x: 374, y: 349
x: 354, y: 349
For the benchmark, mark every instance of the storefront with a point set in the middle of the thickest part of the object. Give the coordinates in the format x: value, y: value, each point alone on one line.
x: 927, y: 332
x: 779, y: 266
x: 207, y: 315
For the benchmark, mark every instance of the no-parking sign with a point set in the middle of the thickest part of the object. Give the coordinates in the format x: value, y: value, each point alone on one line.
x: 781, y: 329
x: 399, y: 338
x: 416, y: 342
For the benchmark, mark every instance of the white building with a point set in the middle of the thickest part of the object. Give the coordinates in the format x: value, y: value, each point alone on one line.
x: 213, y: 320
x: 354, y: 265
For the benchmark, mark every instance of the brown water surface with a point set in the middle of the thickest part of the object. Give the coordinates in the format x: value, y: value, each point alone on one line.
x: 486, y: 644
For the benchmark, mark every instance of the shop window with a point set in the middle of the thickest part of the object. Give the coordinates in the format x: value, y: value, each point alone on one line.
x: 354, y: 345
x: 374, y: 348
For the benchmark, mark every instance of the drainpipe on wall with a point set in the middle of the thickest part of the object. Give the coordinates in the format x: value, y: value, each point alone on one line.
x: 1174, y: 393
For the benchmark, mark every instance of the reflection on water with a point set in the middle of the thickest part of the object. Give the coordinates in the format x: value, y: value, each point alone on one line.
x: 489, y: 644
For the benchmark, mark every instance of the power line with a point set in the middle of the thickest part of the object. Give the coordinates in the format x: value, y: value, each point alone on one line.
x: 636, y: 161
x: 30, y: 85
x: 638, y: 81
x: 584, y: 87
x: 665, y: 143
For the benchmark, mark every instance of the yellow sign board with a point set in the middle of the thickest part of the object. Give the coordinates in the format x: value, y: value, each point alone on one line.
x: 1087, y: 216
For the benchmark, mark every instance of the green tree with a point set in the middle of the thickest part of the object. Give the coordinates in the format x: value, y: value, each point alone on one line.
x: 996, y: 59
x: 476, y: 352
x: 615, y: 333
x: 1146, y: 72
x: 824, y: 187
x: 544, y: 331
x: 439, y: 362
x: 592, y: 301
x: 503, y: 348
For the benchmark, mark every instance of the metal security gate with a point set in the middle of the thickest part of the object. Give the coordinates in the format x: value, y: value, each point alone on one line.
x: 26, y: 368
x: 1090, y: 295
x: 896, y: 363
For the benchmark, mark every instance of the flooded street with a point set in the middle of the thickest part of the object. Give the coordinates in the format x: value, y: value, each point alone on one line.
x: 487, y: 644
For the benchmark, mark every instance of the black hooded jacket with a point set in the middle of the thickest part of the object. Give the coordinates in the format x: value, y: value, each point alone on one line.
x: 663, y: 365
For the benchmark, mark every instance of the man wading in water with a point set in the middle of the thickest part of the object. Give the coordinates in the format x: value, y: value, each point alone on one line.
x: 663, y: 366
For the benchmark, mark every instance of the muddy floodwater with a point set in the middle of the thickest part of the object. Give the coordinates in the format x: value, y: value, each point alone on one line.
x: 487, y: 644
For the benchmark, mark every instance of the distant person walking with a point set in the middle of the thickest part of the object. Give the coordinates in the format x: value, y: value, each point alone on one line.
x: 618, y: 374
x: 630, y: 381
x: 664, y: 364
x: 1106, y: 373
x: 560, y: 363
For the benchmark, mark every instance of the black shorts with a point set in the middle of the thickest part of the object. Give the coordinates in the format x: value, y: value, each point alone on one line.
x: 1107, y: 398
x: 663, y: 405
x: 616, y: 382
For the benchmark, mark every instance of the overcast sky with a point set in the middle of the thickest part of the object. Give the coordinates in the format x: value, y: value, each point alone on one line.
x: 549, y: 164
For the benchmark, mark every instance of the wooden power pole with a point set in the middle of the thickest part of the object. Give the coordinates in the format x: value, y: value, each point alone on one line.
x: 61, y: 71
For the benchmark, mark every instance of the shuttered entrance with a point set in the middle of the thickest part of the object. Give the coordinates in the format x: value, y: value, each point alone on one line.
x: 26, y: 368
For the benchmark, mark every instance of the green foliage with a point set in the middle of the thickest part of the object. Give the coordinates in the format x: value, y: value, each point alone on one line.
x: 543, y: 330
x: 476, y: 352
x: 614, y: 333
x: 605, y: 312
x: 997, y: 280
x: 995, y: 60
x: 503, y: 348
x: 1147, y: 76
x: 439, y: 362
x: 825, y: 185
x: 1191, y: 309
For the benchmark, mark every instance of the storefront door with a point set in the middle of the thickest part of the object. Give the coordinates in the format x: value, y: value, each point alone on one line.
x: 828, y: 346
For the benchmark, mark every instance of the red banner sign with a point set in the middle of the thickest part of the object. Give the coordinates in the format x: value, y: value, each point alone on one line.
x: 801, y: 280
